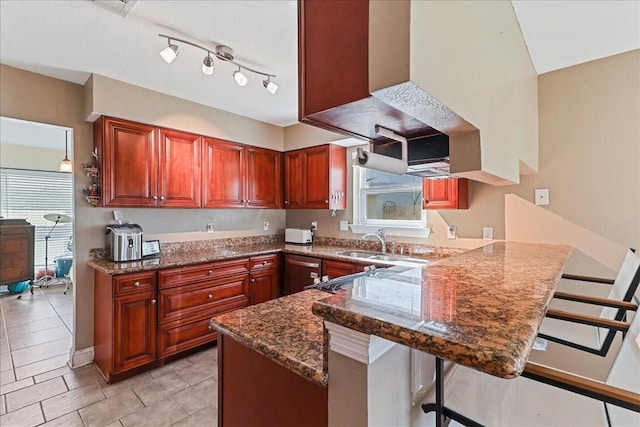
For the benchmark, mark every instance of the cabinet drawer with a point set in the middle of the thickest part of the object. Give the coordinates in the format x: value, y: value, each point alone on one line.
x: 264, y: 262
x: 9, y: 245
x: 15, y: 231
x: 134, y: 283
x: 205, y: 297
x: 182, y: 275
x: 177, y: 336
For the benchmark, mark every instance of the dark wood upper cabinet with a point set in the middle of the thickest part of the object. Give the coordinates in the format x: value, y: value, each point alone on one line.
x: 144, y: 166
x: 316, y: 178
x: 445, y: 193
x: 179, y: 169
x: 222, y: 174
x: 236, y: 175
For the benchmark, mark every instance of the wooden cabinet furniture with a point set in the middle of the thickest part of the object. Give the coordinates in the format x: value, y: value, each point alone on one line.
x: 335, y: 269
x: 264, y: 278
x: 445, y: 193
x: 190, y: 296
x: 235, y: 175
x: 316, y: 178
x: 144, y: 166
x: 16, y: 251
x: 125, y: 319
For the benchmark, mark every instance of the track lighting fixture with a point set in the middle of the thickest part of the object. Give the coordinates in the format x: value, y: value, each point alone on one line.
x: 169, y: 53
x: 270, y: 86
x: 221, y: 52
x: 240, y: 78
x: 207, y: 65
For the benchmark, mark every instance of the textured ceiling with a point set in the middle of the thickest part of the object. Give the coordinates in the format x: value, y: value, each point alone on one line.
x: 72, y: 39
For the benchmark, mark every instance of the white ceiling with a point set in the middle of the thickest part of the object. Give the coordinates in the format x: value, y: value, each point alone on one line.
x: 72, y: 39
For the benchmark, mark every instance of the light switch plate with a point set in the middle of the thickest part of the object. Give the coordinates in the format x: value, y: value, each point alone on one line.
x: 344, y: 225
x: 487, y: 233
x: 542, y: 196
x: 266, y: 225
x: 451, y: 232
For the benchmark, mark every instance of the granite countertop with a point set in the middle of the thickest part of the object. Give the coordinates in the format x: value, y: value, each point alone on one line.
x: 480, y: 309
x: 284, y: 330
x: 194, y: 254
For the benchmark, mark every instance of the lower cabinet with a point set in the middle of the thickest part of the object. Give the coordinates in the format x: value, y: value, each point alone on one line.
x: 125, y: 323
x: 142, y: 318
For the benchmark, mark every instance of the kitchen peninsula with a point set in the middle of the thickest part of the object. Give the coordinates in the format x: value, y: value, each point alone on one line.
x: 481, y: 309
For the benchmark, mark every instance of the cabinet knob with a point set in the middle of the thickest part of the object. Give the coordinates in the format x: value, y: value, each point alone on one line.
x: 286, y: 202
x: 210, y: 296
x: 155, y: 197
x: 153, y: 301
x: 162, y: 198
x: 136, y: 284
x: 326, y: 201
x: 253, y: 280
x: 210, y: 272
x: 264, y: 262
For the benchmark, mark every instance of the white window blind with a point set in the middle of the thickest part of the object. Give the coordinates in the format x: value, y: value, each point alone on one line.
x: 30, y: 194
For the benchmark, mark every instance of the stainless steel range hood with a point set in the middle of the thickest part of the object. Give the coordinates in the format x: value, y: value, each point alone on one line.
x: 426, y: 157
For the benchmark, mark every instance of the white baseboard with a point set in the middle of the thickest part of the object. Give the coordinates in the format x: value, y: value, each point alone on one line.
x: 79, y: 358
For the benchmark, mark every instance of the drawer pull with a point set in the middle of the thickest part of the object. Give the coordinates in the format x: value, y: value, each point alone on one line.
x: 210, y: 296
x: 264, y: 262
x: 253, y: 280
x: 210, y: 272
x: 153, y: 301
x: 136, y: 284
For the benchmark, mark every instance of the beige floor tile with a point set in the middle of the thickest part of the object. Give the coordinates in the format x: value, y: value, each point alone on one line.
x: 69, y: 420
x: 114, y: 424
x: 35, y: 393
x: 209, y: 353
x: 161, y: 387
x: 35, y: 326
x: 200, y: 371
x: 71, y: 401
x: 84, y: 376
x: 128, y: 384
x: 25, y: 417
x: 207, y: 416
x: 7, y: 377
x: 36, y: 353
x: 111, y: 409
x: 164, y: 412
x: 16, y: 385
x: 198, y: 396
x: 170, y: 367
x: 39, y: 337
x: 17, y: 318
x: 52, y: 374
x: 3, y: 407
x: 6, y: 364
x: 42, y: 366
x: 4, y: 344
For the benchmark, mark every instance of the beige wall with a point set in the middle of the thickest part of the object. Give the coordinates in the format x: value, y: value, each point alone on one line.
x: 114, y: 98
x: 471, y: 56
x: 302, y: 135
x: 35, y: 158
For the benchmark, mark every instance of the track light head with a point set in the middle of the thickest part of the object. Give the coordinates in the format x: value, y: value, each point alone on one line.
x: 240, y: 78
x: 207, y: 65
x: 169, y: 53
x: 270, y: 86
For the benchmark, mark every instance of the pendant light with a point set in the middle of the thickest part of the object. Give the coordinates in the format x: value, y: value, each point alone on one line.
x: 65, y: 164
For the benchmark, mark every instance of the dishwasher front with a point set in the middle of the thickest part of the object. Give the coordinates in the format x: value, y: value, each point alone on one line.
x: 299, y: 271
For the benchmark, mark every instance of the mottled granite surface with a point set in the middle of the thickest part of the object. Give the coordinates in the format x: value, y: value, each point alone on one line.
x: 481, y: 309
x: 284, y: 330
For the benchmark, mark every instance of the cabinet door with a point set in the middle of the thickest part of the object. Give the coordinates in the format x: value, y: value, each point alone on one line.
x: 293, y: 179
x: 335, y: 269
x: 263, y: 178
x: 316, y: 177
x: 179, y: 169
x: 447, y: 193
x: 130, y: 161
x: 134, y: 338
x: 264, y: 286
x: 222, y: 174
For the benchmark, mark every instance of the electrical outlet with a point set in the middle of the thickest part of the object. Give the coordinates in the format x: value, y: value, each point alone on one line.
x: 487, y: 233
x: 266, y: 225
x: 210, y: 227
x: 542, y: 196
x: 452, y: 231
x: 314, y: 225
x: 344, y: 225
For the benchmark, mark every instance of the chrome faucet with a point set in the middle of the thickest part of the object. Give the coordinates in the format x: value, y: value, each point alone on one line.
x: 380, y: 236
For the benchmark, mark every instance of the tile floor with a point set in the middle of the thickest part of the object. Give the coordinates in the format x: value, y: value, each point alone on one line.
x: 38, y: 388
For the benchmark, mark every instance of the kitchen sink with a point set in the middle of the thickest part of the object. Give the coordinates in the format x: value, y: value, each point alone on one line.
x: 392, y: 259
